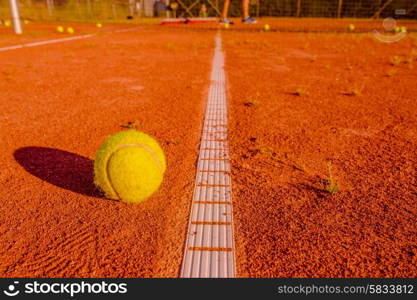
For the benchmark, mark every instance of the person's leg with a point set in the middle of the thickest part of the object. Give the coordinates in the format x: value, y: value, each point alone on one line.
x: 245, y: 9
x: 245, y: 13
x: 224, y: 18
x: 225, y: 9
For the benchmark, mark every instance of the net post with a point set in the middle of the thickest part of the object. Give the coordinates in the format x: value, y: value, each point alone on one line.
x: 17, y: 25
x: 339, y: 8
x: 298, y: 13
x: 50, y: 5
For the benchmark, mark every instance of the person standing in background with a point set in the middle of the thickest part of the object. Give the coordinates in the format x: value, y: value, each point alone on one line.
x: 203, y: 11
x: 160, y: 9
x: 245, y: 13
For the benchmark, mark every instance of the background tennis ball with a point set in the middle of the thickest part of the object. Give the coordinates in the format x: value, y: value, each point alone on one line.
x: 7, y: 23
x: 99, y: 25
x: 26, y: 22
x: 397, y: 29
x: 226, y: 25
x: 129, y: 166
x: 403, y: 29
x: 267, y: 27
x: 351, y: 27
x: 60, y: 29
x: 70, y: 30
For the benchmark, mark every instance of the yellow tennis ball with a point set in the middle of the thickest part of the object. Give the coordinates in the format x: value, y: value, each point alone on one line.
x: 267, y: 27
x: 99, y: 25
x: 351, y: 27
x: 397, y: 29
x: 226, y: 25
x: 26, y: 22
x: 129, y: 166
x: 403, y: 29
x: 70, y: 30
x: 7, y: 23
x: 60, y: 29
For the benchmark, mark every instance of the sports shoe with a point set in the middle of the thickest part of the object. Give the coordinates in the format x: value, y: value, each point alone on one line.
x: 226, y: 21
x: 249, y: 20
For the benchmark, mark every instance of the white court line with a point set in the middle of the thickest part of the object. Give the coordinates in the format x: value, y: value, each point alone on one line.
x: 125, y: 29
x: 34, y: 44
x: 60, y: 40
x: 209, y: 250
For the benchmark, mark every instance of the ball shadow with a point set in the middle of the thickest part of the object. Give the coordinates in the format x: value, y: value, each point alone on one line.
x: 61, y: 168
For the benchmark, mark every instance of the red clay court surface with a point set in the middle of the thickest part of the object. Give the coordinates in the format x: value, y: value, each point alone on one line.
x: 357, y: 110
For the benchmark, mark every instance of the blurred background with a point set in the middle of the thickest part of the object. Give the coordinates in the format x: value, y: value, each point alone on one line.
x: 130, y: 10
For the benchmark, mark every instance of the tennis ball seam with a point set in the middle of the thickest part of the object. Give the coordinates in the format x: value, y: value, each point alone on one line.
x: 122, y: 146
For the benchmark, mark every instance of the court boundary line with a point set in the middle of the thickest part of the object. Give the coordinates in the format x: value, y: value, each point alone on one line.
x: 61, y: 40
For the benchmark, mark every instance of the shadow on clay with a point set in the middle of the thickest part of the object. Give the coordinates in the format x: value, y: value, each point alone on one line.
x: 64, y: 169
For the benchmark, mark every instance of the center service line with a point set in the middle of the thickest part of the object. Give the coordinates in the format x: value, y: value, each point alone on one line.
x: 209, y: 250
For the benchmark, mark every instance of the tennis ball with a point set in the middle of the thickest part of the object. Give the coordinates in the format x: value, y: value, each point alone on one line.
x: 26, y: 22
x: 7, y: 23
x: 403, y: 29
x: 226, y: 25
x: 267, y: 27
x: 397, y: 29
x: 129, y: 166
x: 351, y: 27
x: 60, y: 29
x: 99, y: 25
x: 70, y: 30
